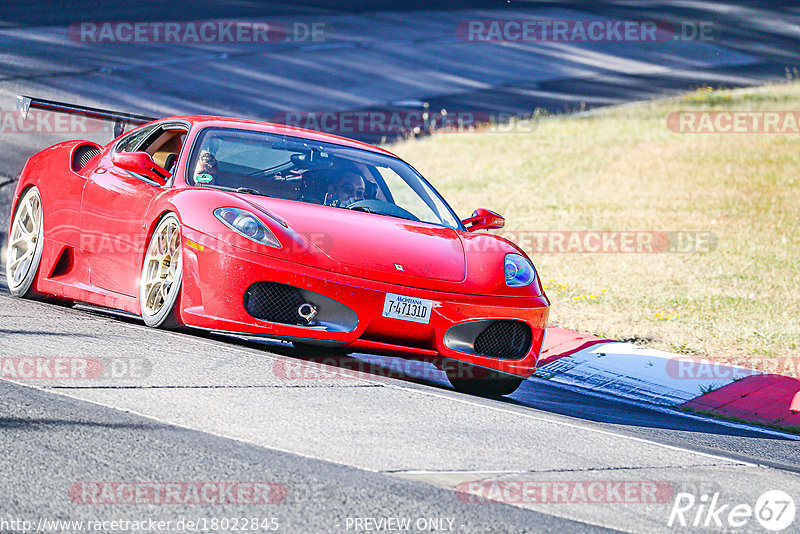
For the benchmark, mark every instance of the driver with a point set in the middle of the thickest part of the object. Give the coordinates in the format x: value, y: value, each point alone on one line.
x: 205, y: 170
x: 348, y: 189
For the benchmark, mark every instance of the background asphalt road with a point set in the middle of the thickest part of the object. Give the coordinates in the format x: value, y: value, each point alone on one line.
x: 382, y: 443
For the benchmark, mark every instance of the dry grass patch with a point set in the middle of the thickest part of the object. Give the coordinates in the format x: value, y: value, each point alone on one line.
x: 623, y: 169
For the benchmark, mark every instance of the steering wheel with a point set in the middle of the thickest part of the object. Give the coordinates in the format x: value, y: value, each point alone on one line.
x: 382, y: 207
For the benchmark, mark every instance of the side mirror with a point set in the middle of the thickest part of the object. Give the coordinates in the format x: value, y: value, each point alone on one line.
x: 141, y: 163
x: 483, y: 219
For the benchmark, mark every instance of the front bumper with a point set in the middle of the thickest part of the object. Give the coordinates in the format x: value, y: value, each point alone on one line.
x: 215, y: 280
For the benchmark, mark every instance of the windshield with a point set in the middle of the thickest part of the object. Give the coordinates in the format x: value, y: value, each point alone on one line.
x: 310, y: 171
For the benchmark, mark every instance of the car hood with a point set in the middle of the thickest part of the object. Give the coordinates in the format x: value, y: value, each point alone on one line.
x: 366, y: 244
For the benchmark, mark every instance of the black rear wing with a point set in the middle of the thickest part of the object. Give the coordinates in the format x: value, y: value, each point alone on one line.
x: 121, y: 119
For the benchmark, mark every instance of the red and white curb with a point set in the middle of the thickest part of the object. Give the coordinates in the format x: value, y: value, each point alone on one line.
x: 657, y: 377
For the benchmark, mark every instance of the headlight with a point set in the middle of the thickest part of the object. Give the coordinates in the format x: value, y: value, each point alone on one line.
x: 245, y: 223
x: 519, y: 271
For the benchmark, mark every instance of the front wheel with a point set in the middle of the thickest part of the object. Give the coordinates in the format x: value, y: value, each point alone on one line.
x: 162, y: 272
x: 25, y: 245
x: 466, y: 378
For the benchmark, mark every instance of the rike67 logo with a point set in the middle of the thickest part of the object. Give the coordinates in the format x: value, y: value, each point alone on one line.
x: 774, y: 510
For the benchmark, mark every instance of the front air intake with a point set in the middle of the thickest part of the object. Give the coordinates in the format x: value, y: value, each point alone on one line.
x: 285, y: 304
x: 274, y: 302
x: 509, y: 340
x: 503, y: 338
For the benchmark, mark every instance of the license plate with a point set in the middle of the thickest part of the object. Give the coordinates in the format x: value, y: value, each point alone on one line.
x: 407, y: 308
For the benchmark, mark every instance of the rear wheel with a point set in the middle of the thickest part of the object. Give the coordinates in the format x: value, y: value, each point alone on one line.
x: 162, y: 272
x: 466, y: 378
x: 25, y: 245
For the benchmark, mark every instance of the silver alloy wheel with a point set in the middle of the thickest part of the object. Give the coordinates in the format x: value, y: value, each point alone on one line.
x: 162, y: 272
x: 25, y: 244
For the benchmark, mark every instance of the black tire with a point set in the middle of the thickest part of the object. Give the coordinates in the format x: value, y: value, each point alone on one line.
x: 466, y: 378
x: 162, y: 310
x: 20, y: 275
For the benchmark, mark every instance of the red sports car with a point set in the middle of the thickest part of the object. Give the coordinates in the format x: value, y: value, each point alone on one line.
x: 254, y: 228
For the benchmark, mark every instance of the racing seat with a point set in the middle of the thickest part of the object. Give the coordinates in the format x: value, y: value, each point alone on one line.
x: 170, y: 161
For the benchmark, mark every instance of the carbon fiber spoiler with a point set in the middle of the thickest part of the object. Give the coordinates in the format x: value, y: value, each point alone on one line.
x: 121, y: 119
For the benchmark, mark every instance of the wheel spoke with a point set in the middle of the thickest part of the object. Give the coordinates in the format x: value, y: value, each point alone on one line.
x: 175, y: 242
x: 164, y: 290
x: 23, y: 216
x: 161, y: 245
x: 18, y: 240
x: 163, y: 267
x: 152, y: 294
x: 20, y: 272
x: 20, y: 232
x: 152, y: 271
x: 14, y: 264
x: 17, y: 253
x: 33, y: 202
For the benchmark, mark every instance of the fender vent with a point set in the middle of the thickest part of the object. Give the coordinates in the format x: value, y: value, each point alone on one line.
x: 509, y: 340
x: 82, y: 155
x: 64, y: 264
x: 274, y: 302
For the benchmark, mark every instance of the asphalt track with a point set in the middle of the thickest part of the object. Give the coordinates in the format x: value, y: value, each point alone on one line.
x: 344, y: 446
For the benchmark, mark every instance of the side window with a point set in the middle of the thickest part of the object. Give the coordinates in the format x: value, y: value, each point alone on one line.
x: 164, y: 146
x: 162, y: 142
x: 132, y: 141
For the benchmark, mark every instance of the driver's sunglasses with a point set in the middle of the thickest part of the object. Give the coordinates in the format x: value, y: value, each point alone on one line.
x: 352, y: 190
